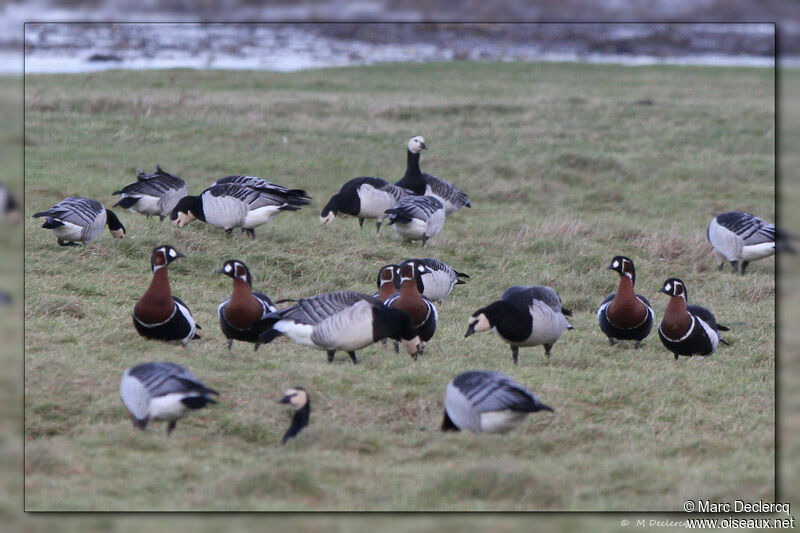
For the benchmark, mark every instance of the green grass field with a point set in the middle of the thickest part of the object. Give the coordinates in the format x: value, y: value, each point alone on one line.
x: 566, y: 166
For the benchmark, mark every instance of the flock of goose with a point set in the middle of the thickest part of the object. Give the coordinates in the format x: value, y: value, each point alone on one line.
x: 402, y: 309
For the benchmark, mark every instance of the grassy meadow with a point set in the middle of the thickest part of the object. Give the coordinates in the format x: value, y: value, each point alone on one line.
x: 566, y: 166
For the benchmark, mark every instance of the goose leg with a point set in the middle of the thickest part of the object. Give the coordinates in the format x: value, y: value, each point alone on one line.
x: 547, y: 348
x: 353, y: 357
x: 360, y: 222
x: 744, y: 266
x: 515, y: 354
x: 611, y: 342
x: 229, y: 231
x: 230, y: 343
x: 637, y: 344
x: 735, y: 265
x: 330, y: 355
x: 378, y: 227
x: 251, y: 232
x: 171, y: 426
x: 424, y: 240
x: 62, y: 242
x: 396, y: 347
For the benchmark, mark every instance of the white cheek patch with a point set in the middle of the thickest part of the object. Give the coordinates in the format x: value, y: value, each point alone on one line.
x: 228, y: 268
x: 615, y: 264
x: 668, y: 287
x: 172, y: 253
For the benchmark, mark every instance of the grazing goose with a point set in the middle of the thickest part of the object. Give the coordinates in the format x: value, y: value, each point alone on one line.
x: 230, y: 206
x: 439, y: 279
x: 343, y: 320
x: 297, y: 397
x: 523, y: 316
x: 239, y: 313
x: 417, y: 218
x: 625, y: 315
x: 152, y: 194
x: 418, y: 182
x: 408, y: 299
x: 158, y: 315
x: 486, y: 401
x: 740, y: 237
x: 388, y: 282
x: 687, y: 329
x: 363, y: 198
x: 9, y: 206
x: 162, y: 391
x: 80, y: 219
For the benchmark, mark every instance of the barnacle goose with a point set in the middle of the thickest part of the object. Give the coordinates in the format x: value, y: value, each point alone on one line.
x: 298, y: 398
x: 152, y: 194
x: 239, y: 314
x: 162, y: 391
x: 342, y: 320
x: 418, y: 182
x: 687, y: 329
x: 438, y: 280
x: 487, y: 401
x: 739, y: 237
x: 523, y: 316
x: 80, y: 219
x: 364, y: 197
x: 417, y: 218
x: 625, y: 315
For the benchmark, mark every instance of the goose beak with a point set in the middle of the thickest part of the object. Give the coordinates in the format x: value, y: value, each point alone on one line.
x: 179, y: 255
x: 285, y: 399
x: 470, y: 330
x: 665, y: 292
x: 424, y: 146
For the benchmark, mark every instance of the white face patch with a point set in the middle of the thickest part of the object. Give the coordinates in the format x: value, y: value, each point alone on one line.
x: 228, y: 267
x: 416, y: 144
x: 184, y: 218
x: 615, y: 264
x: 412, y: 346
x: 297, y: 398
x: 668, y: 287
x: 480, y: 322
x: 173, y: 253
x: 327, y: 219
x: 117, y: 233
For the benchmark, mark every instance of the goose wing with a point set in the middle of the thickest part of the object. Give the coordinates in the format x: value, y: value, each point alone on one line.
x: 75, y: 210
x: 411, y: 207
x: 494, y: 391
x: 448, y: 191
x: 315, y: 309
x: 291, y: 196
x: 155, y: 184
x: 750, y: 228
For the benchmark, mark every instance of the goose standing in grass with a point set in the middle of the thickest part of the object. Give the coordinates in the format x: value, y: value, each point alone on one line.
x: 417, y: 218
x: 158, y: 315
x: 625, y: 315
x: 230, y: 205
x: 80, y: 219
x: 739, y: 237
x: 342, y: 320
x: 152, y: 194
x: 388, y: 282
x: 10, y: 210
x: 486, y: 401
x: 687, y: 329
x: 364, y: 197
x: 239, y: 313
x: 298, y: 398
x: 438, y: 280
x: 418, y: 182
x: 162, y: 391
x: 523, y: 316
x: 408, y: 299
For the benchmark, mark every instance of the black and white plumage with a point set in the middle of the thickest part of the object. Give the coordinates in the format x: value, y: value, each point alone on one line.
x: 687, y: 329
x: 625, y: 315
x: 417, y: 218
x: 739, y: 237
x: 418, y: 182
x: 230, y: 205
x: 158, y: 315
x: 364, y: 197
x: 80, y: 219
x: 523, y: 316
x: 298, y: 398
x: 10, y: 210
x: 239, y: 314
x: 162, y: 391
x: 487, y: 401
x: 153, y: 194
x: 439, y: 279
x: 342, y: 320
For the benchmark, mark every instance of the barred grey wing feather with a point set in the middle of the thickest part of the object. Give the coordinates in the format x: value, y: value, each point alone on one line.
x: 494, y: 391
x: 315, y: 309
x: 446, y: 190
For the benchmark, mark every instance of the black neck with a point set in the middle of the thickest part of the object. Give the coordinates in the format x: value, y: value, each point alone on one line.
x: 113, y: 221
x: 447, y: 424
x: 412, y: 166
x: 299, y: 421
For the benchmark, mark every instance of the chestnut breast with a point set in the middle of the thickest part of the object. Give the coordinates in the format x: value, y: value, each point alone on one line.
x: 156, y: 304
x: 244, y: 309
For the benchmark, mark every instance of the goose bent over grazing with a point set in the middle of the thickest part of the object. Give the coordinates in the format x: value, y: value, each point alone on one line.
x: 152, y: 194
x: 239, y: 313
x: 523, y: 316
x: 158, y: 315
x: 297, y: 397
x: 418, y: 182
x: 342, y: 320
x: 230, y: 206
x: 687, y: 329
x: 364, y: 197
x: 162, y: 391
x: 388, y: 282
x: 625, y: 315
x: 417, y: 218
x: 80, y: 219
x: 739, y: 237
x: 421, y: 310
x: 438, y: 280
x: 486, y: 401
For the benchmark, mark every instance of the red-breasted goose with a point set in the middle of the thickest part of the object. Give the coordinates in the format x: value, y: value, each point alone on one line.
x: 388, y: 282
x: 523, y: 316
x: 298, y: 398
x: 739, y: 237
x: 687, y: 329
x: 439, y: 279
x: 487, y: 401
x: 152, y: 194
x: 158, y: 315
x: 418, y: 182
x: 239, y: 313
x: 80, y: 219
x: 364, y: 197
x: 417, y: 218
x: 408, y: 299
x: 162, y: 391
x: 342, y: 320
x: 625, y: 315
